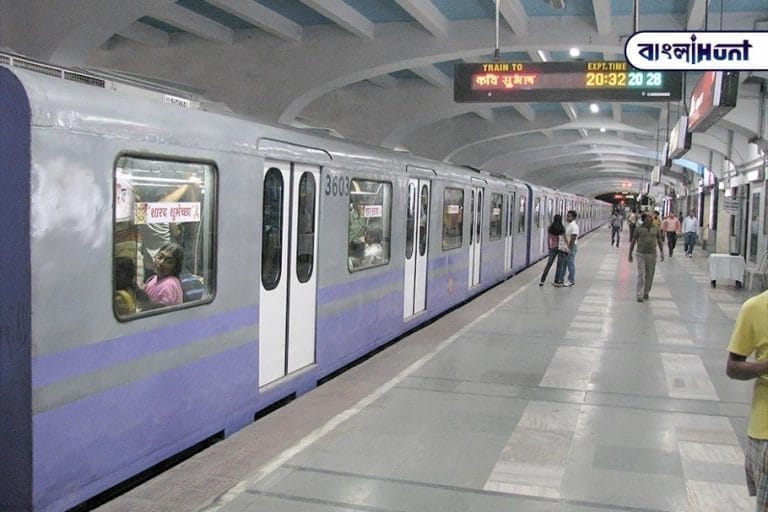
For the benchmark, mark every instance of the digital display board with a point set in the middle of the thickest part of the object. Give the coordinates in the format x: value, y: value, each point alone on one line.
x: 563, y: 81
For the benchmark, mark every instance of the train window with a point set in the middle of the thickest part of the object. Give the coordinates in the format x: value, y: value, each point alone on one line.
x: 410, y: 221
x: 453, y: 218
x: 423, y: 220
x: 521, y: 215
x: 163, y: 235
x: 305, y: 236
x: 537, y: 212
x: 369, y: 224
x: 272, y: 229
x: 497, y: 203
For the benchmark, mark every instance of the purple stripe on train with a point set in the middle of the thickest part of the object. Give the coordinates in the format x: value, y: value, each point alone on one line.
x: 52, y: 368
x: 136, y: 425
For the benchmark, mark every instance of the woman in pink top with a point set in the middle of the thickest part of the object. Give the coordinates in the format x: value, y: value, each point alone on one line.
x: 164, y: 288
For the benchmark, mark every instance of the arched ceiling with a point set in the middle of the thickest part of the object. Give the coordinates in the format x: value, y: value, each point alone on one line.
x: 381, y: 72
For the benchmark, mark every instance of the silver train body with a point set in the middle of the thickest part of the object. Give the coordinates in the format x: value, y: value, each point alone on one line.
x: 278, y: 292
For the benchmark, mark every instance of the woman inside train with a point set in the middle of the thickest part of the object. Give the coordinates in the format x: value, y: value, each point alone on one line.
x: 129, y: 298
x: 164, y: 288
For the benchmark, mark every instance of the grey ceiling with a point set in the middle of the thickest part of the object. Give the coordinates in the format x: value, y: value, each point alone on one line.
x: 381, y: 71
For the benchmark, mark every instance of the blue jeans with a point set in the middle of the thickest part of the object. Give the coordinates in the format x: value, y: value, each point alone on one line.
x: 559, y: 269
x: 690, y: 241
x: 572, y: 264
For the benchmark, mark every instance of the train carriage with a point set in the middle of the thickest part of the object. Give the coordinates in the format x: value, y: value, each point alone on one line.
x: 298, y: 254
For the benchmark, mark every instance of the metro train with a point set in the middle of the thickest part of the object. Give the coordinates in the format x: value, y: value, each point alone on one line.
x: 301, y: 254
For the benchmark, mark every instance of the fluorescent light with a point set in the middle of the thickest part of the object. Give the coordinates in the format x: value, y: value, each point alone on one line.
x: 574, y: 52
x: 594, y: 108
x: 542, y: 55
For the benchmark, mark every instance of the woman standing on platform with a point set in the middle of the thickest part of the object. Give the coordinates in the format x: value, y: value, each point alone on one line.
x: 556, y: 231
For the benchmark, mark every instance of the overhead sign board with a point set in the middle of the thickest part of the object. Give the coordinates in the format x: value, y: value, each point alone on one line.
x: 563, y: 81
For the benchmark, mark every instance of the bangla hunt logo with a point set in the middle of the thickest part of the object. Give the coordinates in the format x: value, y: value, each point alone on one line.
x: 698, y: 51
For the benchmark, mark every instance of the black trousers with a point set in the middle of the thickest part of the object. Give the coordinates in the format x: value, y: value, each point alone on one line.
x: 671, y: 241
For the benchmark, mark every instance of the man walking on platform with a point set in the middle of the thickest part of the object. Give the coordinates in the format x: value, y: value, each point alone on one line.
x: 647, y: 236
x: 690, y: 227
x: 617, y: 223
x: 670, y: 227
x: 750, y: 336
x: 632, y: 222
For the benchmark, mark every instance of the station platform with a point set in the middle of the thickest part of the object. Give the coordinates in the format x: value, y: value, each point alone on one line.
x: 529, y: 398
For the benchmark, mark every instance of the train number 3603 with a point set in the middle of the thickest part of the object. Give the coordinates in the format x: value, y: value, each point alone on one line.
x: 337, y: 186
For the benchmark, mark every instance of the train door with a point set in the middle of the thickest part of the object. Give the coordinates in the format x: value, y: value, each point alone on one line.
x: 508, y: 233
x: 475, y: 235
x: 287, y: 298
x: 541, y: 226
x: 416, y: 245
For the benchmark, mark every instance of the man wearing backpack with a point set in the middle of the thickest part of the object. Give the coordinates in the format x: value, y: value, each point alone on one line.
x: 617, y: 224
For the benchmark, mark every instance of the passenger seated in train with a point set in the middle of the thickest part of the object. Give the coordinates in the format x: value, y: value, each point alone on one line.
x: 373, y: 254
x: 129, y: 298
x: 164, y: 288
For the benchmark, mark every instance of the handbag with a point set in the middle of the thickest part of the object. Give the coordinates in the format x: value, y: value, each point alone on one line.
x: 562, y: 245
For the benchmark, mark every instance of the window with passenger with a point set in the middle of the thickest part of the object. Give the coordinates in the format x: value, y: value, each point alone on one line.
x: 521, y: 215
x: 369, y: 224
x: 453, y: 218
x: 163, y: 234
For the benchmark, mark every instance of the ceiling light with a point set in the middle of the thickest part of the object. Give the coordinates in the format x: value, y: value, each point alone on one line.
x: 602, y: 130
x: 542, y: 55
x: 557, y: 4
x: 594, y: 108
x: 574, y: 52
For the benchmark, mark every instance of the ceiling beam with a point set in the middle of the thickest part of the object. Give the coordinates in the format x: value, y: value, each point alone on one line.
x: 616, y: 110
x: 144, y: 34
x: 425, y: 12
x: 384, y: 81
x: 193, y: 23
x: 264, y: 18
x: 569, y: 111
x: 525, y: 110
x: 514, y: 14
x: 343, y: 15
x: 486, y: 113
x: 602, y: 10
x: 434, y: 76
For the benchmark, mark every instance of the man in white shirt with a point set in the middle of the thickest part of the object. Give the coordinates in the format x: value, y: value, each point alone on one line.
x: 571, y: 235
x: 690, y: 227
